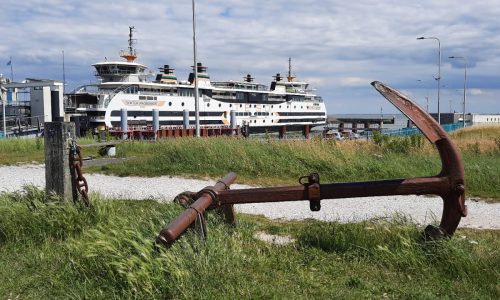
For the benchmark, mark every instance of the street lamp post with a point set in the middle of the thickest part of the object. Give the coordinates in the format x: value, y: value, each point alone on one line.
x: 465, y: 82
x: 195, y: 71
x: 4, y: 122
x: 439, y: 72
x: 426, y: 97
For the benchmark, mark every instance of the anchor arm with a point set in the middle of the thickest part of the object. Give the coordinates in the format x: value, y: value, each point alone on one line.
x: 452, y: 168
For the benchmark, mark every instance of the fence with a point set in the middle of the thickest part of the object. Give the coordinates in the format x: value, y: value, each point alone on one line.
x: 412, y: 131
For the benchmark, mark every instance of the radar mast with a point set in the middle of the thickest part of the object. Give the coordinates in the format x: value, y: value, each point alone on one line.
x: 131, y: 54
x: 290, y: 77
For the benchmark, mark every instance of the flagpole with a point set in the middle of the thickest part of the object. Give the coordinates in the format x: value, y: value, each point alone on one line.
x: 4, y: 101
x: 64, y: 73
x: 3, y: 116
x: 11, y: 71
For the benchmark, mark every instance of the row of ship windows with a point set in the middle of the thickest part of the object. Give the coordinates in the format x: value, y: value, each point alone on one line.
x: 241, y: 105
x: 290, y: 121
x: 144, y: 113
x: 253, y: 114
x: 217, y: 122
x: 239, y: 95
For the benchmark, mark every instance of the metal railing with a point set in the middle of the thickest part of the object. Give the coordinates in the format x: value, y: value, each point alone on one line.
x: 412, y: 131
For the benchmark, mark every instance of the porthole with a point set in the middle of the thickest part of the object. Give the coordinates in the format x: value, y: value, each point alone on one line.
x: 208, y: 104
x: 230, y: 105
x: 220, y: 105
x: 182, y: 104
x: 169, y: 103
x: 241, y: 105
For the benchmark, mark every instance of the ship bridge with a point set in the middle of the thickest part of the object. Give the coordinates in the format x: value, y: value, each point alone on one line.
x: 120, y: 71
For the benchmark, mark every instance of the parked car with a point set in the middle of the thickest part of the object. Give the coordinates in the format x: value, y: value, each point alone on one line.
x: 334, y: 135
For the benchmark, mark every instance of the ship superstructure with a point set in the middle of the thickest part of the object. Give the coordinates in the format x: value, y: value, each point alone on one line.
x: 125, y: 85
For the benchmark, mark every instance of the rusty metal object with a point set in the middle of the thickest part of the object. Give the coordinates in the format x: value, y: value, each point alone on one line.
x: 185, y: 199
x: 206, y: 198
x: 449, y: 184
x: 80, y: 183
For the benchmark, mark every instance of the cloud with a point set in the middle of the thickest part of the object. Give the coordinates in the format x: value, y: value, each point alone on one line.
x: 338, y: 45
x: 354, y: 81
x: 475, y: 92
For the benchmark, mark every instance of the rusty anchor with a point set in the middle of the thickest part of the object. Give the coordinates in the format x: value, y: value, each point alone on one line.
x: 449, y: 184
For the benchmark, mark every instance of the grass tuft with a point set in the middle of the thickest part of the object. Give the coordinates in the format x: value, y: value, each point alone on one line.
x: 59, y: 250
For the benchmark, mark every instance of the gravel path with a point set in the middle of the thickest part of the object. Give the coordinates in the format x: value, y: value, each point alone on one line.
x: 422, y: 209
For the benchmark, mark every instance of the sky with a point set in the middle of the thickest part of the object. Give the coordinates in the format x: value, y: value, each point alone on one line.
x: 338, y: 46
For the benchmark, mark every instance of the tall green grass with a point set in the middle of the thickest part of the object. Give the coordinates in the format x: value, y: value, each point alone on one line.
x: 107, y: 252
x: 21, y: 150
x: 261, y: 161
x: 478, y: 132
x: 271, y: 162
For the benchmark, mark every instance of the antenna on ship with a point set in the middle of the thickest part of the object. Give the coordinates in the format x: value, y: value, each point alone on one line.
x: 248, y: 78
x: 131, y: 54
x: 290, y: 77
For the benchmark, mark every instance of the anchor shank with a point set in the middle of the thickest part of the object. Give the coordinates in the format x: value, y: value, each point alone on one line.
x: 412, y: 186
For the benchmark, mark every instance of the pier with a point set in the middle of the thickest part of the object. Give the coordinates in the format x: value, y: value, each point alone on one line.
x: 165, y: 132
x: 355, y: 122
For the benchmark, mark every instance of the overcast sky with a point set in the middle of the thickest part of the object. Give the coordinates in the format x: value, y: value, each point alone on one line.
x: 338, y: 46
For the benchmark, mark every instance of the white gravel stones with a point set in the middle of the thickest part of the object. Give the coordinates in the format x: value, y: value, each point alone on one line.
x: 422, y: 209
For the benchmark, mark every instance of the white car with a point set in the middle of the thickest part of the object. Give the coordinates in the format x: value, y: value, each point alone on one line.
x: 334, y: 135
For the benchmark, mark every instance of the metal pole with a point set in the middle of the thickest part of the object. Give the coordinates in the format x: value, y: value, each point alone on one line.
x: 195, y: 66
x: 11, y: 70
x: 64, y: 73
x: 439, y: 79
x: 3, y: 115
x: 465, y: 84
x: 439, y: 73
x: 426, y: 97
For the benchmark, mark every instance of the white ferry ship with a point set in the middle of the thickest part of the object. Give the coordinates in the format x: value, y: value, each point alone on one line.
x: 125, y: 85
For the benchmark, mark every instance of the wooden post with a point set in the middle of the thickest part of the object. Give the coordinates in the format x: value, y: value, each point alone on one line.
x: 58, y: 179
x: 282, y: 133
x: 306, y: 131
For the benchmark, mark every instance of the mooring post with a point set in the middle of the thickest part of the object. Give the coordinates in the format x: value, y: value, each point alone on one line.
x: 282, y: 133
x: 124, y: 123
x: 185, y: 118
x: 233, y: 122
x: 156, y: 123
x: 306, y: 131
x: 58, y: 179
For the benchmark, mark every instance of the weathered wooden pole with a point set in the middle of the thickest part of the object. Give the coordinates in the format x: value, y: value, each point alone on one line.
x: 282, y: 133
x: 58, y: 177
x: 306, y: 131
